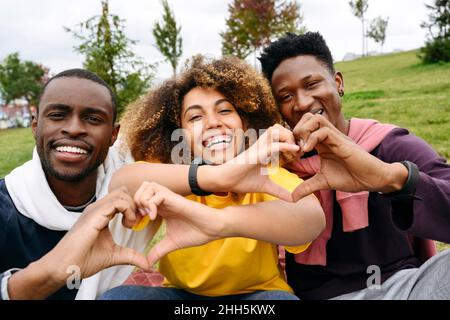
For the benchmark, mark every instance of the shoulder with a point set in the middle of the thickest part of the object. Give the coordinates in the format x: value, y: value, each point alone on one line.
x: 401, y: 145
x: 7, y: 209
x: 6, y: 203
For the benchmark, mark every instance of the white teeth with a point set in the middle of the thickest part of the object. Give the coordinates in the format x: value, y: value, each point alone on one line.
x: 218, y: 139
x: 71, y: 150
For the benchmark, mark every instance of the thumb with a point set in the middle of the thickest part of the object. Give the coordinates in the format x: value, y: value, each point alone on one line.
x: 309, y: 186
x: 277, y: 191
x: 130, y: 256
x: 162, y: 248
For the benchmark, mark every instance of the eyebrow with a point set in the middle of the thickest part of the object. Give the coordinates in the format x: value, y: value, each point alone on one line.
x: 66, y: 108
x: 197, y: 106
x: 301, y: 80
x: 57, y: 106
x: 99, y: 111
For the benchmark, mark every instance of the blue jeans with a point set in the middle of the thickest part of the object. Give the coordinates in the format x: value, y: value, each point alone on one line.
x: 161, y: 293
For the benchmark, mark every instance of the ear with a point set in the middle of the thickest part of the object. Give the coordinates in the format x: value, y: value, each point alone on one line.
x: 34, y: 123
x: 115, y: 134
x: 339, y: 79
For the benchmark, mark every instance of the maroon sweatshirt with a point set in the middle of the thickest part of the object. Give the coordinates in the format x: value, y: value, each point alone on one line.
x: 385, y: 241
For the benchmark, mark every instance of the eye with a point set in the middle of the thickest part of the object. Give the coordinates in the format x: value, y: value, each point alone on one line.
x: 195, y: 118
x: 312, y: 84
x: 225, y: 111
x: 286, y: 97
x: 56, y: 116
x: 93, y: 119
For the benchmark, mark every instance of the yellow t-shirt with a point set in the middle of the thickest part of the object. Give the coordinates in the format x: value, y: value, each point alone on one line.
x: 232, y: 265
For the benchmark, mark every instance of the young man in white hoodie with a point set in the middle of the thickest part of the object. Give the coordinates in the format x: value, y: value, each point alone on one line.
x: 41, y: 200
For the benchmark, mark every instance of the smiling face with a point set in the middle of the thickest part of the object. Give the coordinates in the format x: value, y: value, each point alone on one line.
x: 303, y: 84
x: 211, y: 123
x: 74, y: 128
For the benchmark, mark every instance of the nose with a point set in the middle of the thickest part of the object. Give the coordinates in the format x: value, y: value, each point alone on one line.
x: 74, y: 127
x: 303, y: 102
x: 212, y: 121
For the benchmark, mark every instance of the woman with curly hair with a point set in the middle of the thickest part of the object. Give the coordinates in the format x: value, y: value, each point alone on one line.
x: 209, y: 249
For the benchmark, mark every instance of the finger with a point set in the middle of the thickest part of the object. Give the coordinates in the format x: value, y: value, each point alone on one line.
x: 278, y: 191
x: 127, y: 197
x: 300, y: 125
x: 142, y: 194
x: 130, y: 256
x: 162, y: 248
x: 287, y: 147
x: 114, y: 206
x: 105, y: 201
x: 154, y: 203
x: 309, y: 126
x: 315, y: 138
x: 309, y: 186
x: 127, y: 208
x: 281, y: 134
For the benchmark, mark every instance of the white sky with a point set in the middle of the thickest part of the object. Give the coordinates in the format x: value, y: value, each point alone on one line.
x: 35, y: 28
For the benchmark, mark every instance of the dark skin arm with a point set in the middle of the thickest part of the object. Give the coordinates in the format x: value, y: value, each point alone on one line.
x: 345, y: 166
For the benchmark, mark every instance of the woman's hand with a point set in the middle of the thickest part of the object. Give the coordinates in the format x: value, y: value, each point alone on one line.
x: 248, y: 172
x: 188, y: 223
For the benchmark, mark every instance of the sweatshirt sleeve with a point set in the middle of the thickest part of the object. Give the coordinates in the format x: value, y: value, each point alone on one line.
x: 427, y: 216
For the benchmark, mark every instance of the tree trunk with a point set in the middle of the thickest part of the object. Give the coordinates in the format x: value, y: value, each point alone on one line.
x: 363, y: 35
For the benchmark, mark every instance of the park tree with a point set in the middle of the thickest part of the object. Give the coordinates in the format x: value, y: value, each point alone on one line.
x: 21, y: 79
x: 168, y: 37
x: 377, y: 30
x: 437, y: 46
x: 108, y: 54
x: 252, y: 24
x: 359, y: 8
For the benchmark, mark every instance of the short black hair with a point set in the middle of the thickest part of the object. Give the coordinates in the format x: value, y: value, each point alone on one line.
x: 83, y: 74
x: 293, y: 45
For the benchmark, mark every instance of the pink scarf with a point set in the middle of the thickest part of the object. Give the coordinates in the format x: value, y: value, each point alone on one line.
x: 368, y: 134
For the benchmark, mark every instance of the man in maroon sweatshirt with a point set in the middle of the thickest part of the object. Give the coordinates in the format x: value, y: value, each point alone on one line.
x: 407, y: 181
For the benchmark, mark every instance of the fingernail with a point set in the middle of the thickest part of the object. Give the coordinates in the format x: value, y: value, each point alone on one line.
x: 148, y: 211
x: 142, y: 212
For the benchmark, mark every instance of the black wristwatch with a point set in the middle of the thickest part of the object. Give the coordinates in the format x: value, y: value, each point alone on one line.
x: 408, y: 192
x: 193, y: 183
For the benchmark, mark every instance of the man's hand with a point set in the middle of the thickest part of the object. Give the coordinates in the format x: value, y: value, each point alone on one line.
x: 188, y: 223
x: 344, y: 165
x: 88, y: 245
x: 245, y: 173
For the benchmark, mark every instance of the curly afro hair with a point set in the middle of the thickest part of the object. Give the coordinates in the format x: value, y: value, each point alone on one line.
x: 148, y: 123
x: 293, y: 45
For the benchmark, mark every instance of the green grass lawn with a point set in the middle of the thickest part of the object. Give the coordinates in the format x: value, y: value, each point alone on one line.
x: 397, y: 89
x: 16, y: 147
x: 393, y: 88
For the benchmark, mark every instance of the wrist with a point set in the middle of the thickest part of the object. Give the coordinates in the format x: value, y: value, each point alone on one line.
x: 36, y: 281
x: 397, y: 174
x: 207, y: 178
x: 229, y: 224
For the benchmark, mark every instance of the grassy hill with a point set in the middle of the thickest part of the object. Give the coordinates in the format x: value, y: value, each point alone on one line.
x: 396, y: 88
